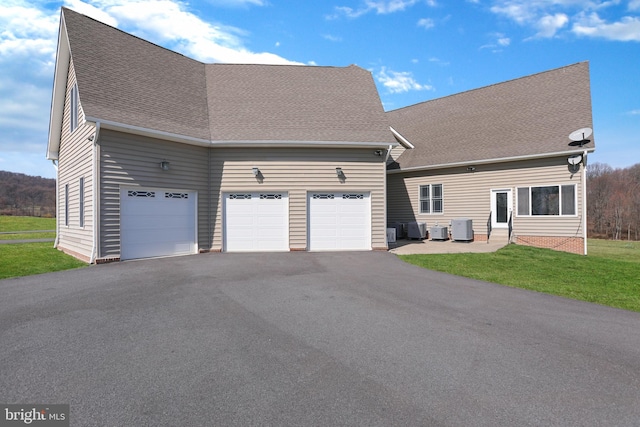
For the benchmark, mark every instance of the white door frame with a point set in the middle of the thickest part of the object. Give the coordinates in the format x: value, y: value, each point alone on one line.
x: 494, y: 211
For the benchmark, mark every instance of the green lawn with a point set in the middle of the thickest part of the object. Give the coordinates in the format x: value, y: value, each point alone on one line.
x: 21, y: 236
x: 25, y: 259
x: 610, y: 275
x: 26, y: 223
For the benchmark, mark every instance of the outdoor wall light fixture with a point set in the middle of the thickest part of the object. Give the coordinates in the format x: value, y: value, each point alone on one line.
x: 164, y: 165
x: 339, y: 173
x: 256, y: 172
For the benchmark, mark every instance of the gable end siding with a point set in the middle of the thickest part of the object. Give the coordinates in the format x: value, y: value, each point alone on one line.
x: 75, y: 161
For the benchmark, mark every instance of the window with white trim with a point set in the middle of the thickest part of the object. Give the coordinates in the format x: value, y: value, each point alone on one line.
x: 81, y: 199
x: 550, y: 200
x: 73, y: 104
x: 431, y: 199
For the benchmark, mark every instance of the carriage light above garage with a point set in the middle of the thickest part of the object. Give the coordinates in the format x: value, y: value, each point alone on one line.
x: 164, y: 165
x: 256, y: 172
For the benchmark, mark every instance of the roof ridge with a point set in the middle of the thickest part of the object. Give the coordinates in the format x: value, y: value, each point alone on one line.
x: 128, y: 34
x: 491, y: 85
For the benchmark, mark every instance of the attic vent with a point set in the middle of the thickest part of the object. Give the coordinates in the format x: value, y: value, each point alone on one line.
x: 353, y: 196
x: 323, y: 196
x: 239, y: 196
x: 270, y: 196
x: 132, y: 193
x: 176, y: 195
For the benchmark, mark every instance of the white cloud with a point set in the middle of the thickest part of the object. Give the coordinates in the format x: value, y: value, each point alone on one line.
x: 381, y: 7
x: 548, y: 25
x: 547, y: 17
x: 27, y: 31
x: 634, y: 112
x: 426, y: 23
x: 170, y: 23
x: 399, y: 81
x: 627, y: 29
x: 501, y: 41
x: 332, y: 38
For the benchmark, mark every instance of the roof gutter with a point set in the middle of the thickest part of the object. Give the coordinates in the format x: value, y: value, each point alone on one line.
x: 488, y: 161
x: 152, y: 133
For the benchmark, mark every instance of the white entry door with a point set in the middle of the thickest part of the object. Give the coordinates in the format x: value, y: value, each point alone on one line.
x: 501, y: 207
x: 156, y: 222
x: 256, y: 222
x: 339, y: 221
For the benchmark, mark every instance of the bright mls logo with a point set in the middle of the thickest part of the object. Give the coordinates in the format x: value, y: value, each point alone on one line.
x: 35, y: 415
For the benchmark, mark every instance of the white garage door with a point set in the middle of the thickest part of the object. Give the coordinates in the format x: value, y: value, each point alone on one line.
x: 339, y: 221
x: 255, y: 222
x: 157, y: 223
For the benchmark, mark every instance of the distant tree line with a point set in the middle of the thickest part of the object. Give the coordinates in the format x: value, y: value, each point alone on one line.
x: 613, y: 202
x: 26, y: 195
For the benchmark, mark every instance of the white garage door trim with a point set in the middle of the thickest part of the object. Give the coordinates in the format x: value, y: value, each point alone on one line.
x: 256, y: 221
x: 338, y: 220
x: 156, y: 222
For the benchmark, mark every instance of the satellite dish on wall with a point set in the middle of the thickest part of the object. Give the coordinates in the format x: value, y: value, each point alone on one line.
x: 579, y: 137
x: 575, y: 160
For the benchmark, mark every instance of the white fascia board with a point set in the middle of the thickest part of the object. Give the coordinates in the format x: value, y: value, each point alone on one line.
x: 489, y: 161
x: 313, y: 144
x: 63, y: 54
x: 152, y: 133
x: 404, y: 141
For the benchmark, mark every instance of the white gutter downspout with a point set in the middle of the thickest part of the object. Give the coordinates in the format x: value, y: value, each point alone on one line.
x: 96, y: 196
x: 584, y: 199
x: 55, y: 242
x: 386, y: 159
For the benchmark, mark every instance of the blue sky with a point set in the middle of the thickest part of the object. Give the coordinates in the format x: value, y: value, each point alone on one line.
x: 416, y: 50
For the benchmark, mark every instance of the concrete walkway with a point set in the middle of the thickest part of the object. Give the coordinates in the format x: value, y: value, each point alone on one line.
x: 411, y: 247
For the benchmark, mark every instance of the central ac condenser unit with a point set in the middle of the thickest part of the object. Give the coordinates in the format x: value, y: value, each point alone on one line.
x: 417, y: 230
x: 439, y: 233
x: 462, y: 229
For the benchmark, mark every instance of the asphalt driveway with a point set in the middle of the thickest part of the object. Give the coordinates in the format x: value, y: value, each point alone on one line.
x: 311, y: 339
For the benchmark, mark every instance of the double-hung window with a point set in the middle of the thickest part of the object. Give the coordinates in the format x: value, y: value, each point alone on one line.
x: 74, y: 107
x: 431, y: 199
x: 550, y: 200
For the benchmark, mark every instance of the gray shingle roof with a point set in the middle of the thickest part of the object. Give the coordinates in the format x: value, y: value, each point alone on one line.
x: 290, y: 102
x: 529, y: 116
x: 125, y: 79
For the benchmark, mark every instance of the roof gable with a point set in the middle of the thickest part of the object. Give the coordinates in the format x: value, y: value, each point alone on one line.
x: 530, y: 116
x: 133, y: 84
x: 124, y: 79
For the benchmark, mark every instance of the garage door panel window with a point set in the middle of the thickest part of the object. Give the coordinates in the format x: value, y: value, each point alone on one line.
x: 256, y: 222
x: 157, y: 223
x: 339, y: 221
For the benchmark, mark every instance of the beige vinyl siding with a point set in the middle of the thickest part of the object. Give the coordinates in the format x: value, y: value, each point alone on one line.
x: 298, y: 171
x: 468, y: 195
x: 134, y: 161
x: 75, y: 161
x: 396, y: 152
